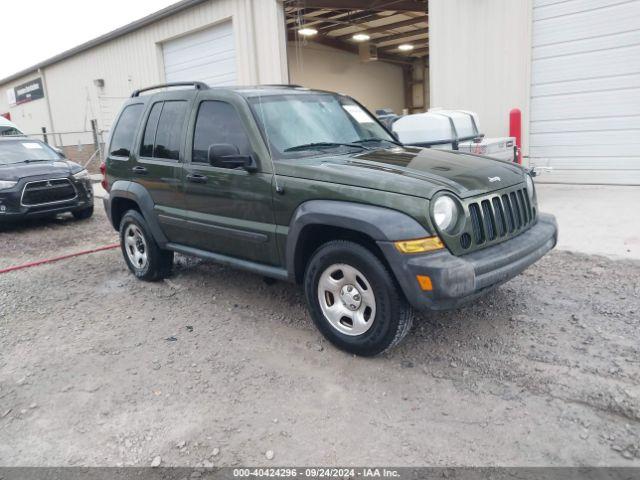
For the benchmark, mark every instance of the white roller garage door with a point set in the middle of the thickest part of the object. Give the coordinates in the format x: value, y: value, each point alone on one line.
x: 207, y: 55
x: 585, y: 90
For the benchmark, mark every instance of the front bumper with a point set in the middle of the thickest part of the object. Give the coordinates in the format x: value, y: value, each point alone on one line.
x: 458, y: 280
x: 12, y: 207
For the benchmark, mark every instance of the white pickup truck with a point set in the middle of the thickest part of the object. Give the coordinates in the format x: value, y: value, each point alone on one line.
x: 7, y: 127
x: 452, y: 130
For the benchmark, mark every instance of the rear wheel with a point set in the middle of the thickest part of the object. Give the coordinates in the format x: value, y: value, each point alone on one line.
x: 83, y: 214
x: 353, y: 299
x: 143, y: 256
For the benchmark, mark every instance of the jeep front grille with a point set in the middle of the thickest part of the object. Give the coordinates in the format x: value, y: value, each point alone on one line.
x: 47, y: 192
x: 498, y: 217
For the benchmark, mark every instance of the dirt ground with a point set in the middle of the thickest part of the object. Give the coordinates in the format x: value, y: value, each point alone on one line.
x: 214, y: 367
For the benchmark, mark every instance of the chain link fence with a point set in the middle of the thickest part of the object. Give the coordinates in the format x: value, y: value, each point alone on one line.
x: 81, y: 146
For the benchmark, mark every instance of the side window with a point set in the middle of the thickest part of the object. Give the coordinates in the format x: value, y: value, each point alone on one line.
x: 122, y: 139
x: 218, y: 122
x: 169, y: 132
x: 149, y: 138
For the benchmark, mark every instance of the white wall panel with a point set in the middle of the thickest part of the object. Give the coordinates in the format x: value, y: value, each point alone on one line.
x: 479, y: 59
x: 207, y: 55
x: 585, y: 90
x: 135, y: 60
x: 30, y: 116
x: 374, y: 84
x: 584, y: 22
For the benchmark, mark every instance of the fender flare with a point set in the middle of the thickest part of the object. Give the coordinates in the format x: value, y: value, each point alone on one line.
x: 381, y: 224
x: 137, y: 193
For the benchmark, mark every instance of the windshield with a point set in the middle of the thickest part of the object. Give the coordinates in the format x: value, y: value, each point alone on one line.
x: 16, y: 151
x: 306, y: 124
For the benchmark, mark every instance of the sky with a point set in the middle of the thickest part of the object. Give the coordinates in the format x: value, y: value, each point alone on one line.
x: 46, y: 28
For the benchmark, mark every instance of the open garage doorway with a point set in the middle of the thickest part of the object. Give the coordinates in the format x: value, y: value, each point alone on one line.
x: 374, y: 51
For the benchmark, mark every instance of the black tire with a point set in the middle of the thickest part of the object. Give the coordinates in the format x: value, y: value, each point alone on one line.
x: 393, y: 315
x: 158, y: 263
x: 83, y: 214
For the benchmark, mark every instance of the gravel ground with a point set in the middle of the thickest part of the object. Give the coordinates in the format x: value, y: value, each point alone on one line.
x: 214, y: 367
x: 51, y: 237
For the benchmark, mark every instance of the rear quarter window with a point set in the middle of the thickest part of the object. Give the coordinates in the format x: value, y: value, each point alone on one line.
x: 124, y: 133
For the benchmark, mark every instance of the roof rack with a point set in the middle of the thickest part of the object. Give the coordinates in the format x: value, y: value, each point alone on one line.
x: 197, y: 85
x: 283, y: 85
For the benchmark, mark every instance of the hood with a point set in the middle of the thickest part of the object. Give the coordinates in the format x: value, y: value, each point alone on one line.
x: 58, y: 168
x: 411, y: 171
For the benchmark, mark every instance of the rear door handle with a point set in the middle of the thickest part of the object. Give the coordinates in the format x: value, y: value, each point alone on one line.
x: 140, y: 170
x: 197, y: 178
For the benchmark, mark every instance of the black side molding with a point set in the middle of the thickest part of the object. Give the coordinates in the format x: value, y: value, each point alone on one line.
x: 136, y: 192
x: 259, y: 268
x: 378, y: 223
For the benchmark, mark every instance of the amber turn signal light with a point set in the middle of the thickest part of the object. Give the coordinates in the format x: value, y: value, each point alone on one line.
x: 420, y: 245
x: 425, y: 282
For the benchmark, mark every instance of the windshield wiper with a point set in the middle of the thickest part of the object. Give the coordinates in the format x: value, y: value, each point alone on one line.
x: 31, y: 161
x: 320, y: 145
x: 376, y: 139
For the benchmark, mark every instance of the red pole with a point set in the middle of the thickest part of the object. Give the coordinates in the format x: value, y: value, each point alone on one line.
x: 515, y: 130
x: 57, y: 259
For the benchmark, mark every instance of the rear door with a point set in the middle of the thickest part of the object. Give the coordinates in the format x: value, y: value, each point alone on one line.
x: 231, y: 210
x: 160, y: 158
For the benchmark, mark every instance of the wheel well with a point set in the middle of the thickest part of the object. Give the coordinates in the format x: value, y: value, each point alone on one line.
x: 313, y: 236
x: 119, y: 206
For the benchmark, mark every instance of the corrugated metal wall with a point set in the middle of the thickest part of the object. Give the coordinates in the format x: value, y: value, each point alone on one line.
x: 585, y: 91
x: 135, y: 60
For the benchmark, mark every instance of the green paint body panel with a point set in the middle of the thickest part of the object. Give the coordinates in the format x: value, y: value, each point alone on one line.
x: 239, y: 213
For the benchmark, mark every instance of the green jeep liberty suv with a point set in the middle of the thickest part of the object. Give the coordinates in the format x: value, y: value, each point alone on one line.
x: 307, y: 186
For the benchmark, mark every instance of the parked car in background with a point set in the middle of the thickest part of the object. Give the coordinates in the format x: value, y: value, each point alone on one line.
x: 35, y: 180
x: 7, y: 128
x: 307, y: 186
x: 452, y: 130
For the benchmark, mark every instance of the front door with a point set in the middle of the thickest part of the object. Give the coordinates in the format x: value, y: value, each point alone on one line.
x: 230, y: 208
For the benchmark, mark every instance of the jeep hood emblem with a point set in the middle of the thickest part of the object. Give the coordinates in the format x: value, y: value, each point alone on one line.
x: 494, y: 179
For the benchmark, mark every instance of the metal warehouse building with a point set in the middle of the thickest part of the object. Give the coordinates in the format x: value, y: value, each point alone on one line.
x: 571, y: 66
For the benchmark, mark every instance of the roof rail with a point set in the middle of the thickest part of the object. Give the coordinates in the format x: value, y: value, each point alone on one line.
x: 283, y: 85
x: 197, y: 85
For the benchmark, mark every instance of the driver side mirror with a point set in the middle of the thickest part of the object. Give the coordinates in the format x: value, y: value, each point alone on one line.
x: 225, y: 155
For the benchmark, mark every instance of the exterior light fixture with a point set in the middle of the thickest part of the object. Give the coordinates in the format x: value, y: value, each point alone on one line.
x: 405, y: 47
x: 361, y: 37
x: 307, y: 31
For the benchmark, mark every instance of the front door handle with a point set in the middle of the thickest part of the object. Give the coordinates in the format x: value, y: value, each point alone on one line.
x: 197, y: 178
x: 139, y: 170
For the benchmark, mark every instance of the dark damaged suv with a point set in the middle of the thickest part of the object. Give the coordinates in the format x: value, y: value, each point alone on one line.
x: 307, y: 186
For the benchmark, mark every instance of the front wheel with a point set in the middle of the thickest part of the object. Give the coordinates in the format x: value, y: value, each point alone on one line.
x: 144, y: 257
x: 353, y: 299
x: 83, y: 214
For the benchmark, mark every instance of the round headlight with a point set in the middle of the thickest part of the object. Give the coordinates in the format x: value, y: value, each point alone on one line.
x: 445, y: 212
x: 530, y: 188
